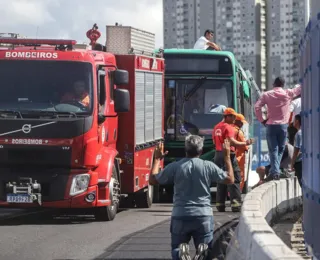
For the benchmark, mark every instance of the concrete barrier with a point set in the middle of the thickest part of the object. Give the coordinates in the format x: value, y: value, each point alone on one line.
x: 254, y: 237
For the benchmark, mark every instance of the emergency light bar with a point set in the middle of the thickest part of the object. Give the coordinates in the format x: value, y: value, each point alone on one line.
x: 16, y: 41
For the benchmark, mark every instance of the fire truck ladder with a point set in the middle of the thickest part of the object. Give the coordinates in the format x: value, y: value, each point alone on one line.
x: 142, y: 52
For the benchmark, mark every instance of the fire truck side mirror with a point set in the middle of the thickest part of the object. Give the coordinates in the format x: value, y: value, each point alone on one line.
x: 102, y: 87
x: 121, y: 77
x: 121, y: 100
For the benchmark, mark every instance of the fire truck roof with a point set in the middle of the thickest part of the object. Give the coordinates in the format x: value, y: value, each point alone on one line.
x: 36, y: 42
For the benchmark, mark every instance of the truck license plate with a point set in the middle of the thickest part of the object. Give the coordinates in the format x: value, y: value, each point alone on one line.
x: 19, y: 198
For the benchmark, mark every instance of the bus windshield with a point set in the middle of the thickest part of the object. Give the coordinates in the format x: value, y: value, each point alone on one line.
x: 46, y: 86
x: 195, y: 106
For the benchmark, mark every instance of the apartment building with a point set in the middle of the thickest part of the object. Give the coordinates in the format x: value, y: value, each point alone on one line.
x: 184, y: 21
x: 286, y: 24
x: 263, y: 34
x: 241, y: 28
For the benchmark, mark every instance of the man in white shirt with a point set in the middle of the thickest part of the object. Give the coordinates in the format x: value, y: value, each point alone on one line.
x: 295, y: 109
x: 204, y: 42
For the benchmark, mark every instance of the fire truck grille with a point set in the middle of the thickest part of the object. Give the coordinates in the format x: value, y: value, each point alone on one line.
x: 46, y: 156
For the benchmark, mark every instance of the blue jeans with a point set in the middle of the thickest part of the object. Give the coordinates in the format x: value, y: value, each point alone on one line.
x: 276, y: 139
x: 183, y: 228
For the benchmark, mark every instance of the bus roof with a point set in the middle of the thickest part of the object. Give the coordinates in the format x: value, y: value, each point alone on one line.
x: 197, y: 51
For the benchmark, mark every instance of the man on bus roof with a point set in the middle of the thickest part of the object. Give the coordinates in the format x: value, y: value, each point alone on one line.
x: 205, y: 43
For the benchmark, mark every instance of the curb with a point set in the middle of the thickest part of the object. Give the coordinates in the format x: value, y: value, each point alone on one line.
x: 254, y: 238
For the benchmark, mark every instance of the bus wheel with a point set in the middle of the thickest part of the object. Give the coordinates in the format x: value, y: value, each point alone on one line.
x: 108, y: 213
x: 144, y: 199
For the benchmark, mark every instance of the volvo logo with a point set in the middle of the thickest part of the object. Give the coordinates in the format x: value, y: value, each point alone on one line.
x: 26, y: 129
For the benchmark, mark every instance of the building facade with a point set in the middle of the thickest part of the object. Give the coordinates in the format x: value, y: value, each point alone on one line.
x: 241, y: 28
x: 286, y: 23
x: 263, y: 34
x: 184, y: 21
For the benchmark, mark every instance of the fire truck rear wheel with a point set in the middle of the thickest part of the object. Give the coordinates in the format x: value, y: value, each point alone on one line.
x: 144, y: 199
x: 108, y: 213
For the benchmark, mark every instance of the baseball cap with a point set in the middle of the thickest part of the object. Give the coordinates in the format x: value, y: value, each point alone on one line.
x: 229, y: 111
x: 241, y: 118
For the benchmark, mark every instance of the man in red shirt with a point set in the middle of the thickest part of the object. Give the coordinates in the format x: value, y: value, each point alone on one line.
x: 225, y: 130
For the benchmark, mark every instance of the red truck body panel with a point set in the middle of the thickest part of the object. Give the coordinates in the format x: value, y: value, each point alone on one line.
x: 137, y: 156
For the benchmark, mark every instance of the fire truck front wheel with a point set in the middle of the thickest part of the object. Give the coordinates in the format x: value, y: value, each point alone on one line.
x: 108, y: 213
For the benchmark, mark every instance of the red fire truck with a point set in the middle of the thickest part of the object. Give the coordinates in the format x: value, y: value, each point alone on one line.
x: 78, y: 127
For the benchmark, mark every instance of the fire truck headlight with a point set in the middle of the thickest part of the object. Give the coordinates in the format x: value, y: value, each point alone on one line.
x: 79, y: 184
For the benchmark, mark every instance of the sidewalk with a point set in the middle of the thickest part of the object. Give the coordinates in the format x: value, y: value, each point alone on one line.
x: 289, y: 229
x: 153, y: 242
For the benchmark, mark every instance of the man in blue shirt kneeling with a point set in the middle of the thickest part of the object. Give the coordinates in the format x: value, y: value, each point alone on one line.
x: 192, y: 215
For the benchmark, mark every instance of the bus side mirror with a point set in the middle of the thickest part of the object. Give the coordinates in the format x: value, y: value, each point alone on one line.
x: 121, y: 77
x: 121, y: 100
x: 245, y: 88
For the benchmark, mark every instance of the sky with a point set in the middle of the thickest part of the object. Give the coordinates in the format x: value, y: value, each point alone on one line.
x: 70, y: 19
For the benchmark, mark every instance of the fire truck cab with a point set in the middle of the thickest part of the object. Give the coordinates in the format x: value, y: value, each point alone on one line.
x: 78, y: 127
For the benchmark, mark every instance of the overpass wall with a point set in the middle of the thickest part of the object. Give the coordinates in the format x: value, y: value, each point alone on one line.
x: 310, y: 80
x: 254, y: 238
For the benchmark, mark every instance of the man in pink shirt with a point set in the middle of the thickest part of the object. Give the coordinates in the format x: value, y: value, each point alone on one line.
x: 278, y: 102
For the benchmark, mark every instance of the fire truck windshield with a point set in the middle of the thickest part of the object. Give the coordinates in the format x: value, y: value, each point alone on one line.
x: 57, y: 86
x: 192, y: 110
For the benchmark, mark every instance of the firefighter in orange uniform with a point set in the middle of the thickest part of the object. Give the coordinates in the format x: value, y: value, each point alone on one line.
x: 225, y: 130
x: 241, y: 150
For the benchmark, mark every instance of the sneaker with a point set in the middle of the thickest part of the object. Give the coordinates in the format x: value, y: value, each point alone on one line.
x: 236, y: 209
x: 202, y: 252
x: 221, y: 208
x: 184, y: 252
x: 272, y: 178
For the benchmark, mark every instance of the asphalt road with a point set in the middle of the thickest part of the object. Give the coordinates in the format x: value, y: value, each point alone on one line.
x: 134, y: 234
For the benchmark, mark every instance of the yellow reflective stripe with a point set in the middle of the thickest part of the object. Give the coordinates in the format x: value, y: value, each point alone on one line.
x: 220, y: 204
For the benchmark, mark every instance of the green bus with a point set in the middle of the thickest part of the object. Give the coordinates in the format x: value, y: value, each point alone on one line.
x: 199, y: 84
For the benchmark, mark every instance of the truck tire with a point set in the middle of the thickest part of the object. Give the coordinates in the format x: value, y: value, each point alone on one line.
x: 144, y: 199
x: 108, y: 213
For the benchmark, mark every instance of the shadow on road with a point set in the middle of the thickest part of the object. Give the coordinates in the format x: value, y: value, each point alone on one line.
x: 50, y: 217
x: 154, y: 242
x: 156, y: 211
x: 150, y: 241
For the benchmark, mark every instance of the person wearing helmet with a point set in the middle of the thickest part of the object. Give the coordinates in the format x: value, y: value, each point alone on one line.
x: 225, y: 130
x: 240, y: 151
